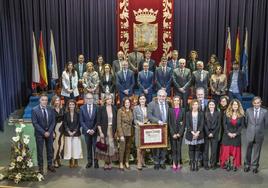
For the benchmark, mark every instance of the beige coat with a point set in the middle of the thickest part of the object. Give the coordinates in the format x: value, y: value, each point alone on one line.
x: 124, y: 122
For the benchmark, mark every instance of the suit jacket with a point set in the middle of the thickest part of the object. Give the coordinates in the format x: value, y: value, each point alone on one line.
x: 255, y: 129
x: 102, y: 119
x: 152, y: 65
x: 146, y: 82
x: 110, y: 83
x: 229, y: 128
x: 171, y: 65
x: 192, y: 65
x: 80, y: 74
x: 176, y: 125
x: 189, y: 125
x: 71, y: 126
x: 124, y: 122
x: 163, y: 80
x: 196, y: 79
x: 138, y: 115
x: 97, y: 69
x: 241, y: 81
x: 87, y: 122
x: 154, y: 113
x: 212, y: 124
x: 181, y: 80
x: 205, y: 101
x: 66, y: 84
x: 123, y: 84
x: 116, y: 66
x: 135, y: 59
x: 39, y: 124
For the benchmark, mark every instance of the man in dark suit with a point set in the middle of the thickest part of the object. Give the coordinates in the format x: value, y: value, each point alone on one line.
x: 158, y: 113
x: 200, y: 77
x: 88, y: 119
x: 256, y: 122
x: 163, y: 76
x: 174, y: 63
x: 80, y: 68
x: 182, y: 81
x: 125, y: 82
x: 117, y: 64
x: 145, y: 82
x: 148, y: 59
x: 236, y: 83
x: 43, y: 119
x: 135, y: 58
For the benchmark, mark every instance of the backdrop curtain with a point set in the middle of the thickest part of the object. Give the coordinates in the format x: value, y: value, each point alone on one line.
x: 89, y: 27
x: 79, y: 26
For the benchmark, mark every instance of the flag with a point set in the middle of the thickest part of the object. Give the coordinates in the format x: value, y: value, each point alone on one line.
x: 228, y: 55
x: 237, y: 47
x: 245, y: 57
x: 42, y: 64
x: 52, y: 64
x: 35, y: 66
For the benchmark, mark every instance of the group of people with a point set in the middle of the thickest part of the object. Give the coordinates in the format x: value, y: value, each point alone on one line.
x: 109, y: 130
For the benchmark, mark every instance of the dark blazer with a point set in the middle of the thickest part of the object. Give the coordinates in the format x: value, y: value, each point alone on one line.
x: 123, y: 84
x: 181, y: 80
x: 40, y: 127
x: 76, y: 66
x: 152, y: 65
x: 229, y: 128
x: 116, y: 66
x: 212, y: 124
x: 196, y: 79
x: 192, y: 65
x: 87, y: 122
x: 96, y: 68
x: 146, y: 83
x: 176, y: 126
x: 110, y: 83
x: 189, y: 125
x: 241, y: 81
x: 71, y: 126
x: 102, y: 119
x: 171, y: 65
x: 163, y: 80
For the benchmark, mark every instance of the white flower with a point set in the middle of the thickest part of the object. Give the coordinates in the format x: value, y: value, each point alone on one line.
x: 23, y: 154
x: 40, y: 177
x: 17, y: 178
x: 23, y: 167
x: 26, y: 140
x: 16, y: 138
x: 30, y: 164
x: 11, y: 166
x: 1, y: 177
x: 18, y: 129
x: 19, y: 158
x: 22, y: 125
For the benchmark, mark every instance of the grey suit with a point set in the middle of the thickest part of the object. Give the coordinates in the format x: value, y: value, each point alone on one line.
x: 135, y: 59
x: 116, y: 66
x: 197, y: 81
x: 255, y: 135
x: 154, y: 116
x: 182, y: 79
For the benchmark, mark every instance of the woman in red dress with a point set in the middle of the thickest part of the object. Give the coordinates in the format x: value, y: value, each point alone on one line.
x: 230, y: 155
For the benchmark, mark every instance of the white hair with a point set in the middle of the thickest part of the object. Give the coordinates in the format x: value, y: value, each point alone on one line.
x: 182, y: 60
x: 199, y: 63
x: 161, y: 91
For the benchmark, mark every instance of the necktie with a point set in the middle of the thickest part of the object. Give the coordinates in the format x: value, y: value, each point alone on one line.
x: 89, y: 110
x: 45, y: 117
x: 201, y: 76
x: 256, y: 115
x: 125, y: 75
x: 163, y: 112
x: 146, y: 74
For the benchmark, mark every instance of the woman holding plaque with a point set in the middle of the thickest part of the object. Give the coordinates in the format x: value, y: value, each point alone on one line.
x: 194, y: 133
x: 124, y: 129
x: 106, y: 123
x: 176, y: 116
x: 140, y: 118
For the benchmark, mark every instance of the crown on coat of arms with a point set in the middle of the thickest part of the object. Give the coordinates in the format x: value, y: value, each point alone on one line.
x: 145, y: 15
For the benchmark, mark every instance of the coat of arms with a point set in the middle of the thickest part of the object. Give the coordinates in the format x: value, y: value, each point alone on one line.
x: 145, y: 34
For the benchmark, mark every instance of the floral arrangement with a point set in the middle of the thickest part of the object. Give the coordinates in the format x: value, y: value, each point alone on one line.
x: 21, y: 164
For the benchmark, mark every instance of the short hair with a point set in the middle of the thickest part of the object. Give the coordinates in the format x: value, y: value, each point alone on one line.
x: 182, y: 60
x: 161, y: 90
x: 256, y: 98
x: 199, y: 63
x: 43, y: 95
x: 200, y: 89
x: 175, y: 51
x: 90, y: 63
x: 88, y: 94
x: 147, y: 51
x: 164, y: 58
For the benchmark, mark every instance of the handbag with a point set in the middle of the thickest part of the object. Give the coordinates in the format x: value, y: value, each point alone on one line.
x: 101, y: 146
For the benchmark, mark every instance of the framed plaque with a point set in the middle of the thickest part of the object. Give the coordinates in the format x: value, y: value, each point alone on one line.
x: 153, y: 136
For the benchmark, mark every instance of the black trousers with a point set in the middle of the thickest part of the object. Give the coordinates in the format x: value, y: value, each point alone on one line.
x: 213, y: 144
x: 91, y: 147
x: 176, y: 150
x: 194, y: 151
x: 40, y: 140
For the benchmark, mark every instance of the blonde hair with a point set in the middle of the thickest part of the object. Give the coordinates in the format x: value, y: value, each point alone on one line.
x: 90, y: 63
x: 240, y: 111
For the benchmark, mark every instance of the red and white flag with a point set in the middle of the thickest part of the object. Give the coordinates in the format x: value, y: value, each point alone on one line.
x: 35, y: 66
x: 228, y: 54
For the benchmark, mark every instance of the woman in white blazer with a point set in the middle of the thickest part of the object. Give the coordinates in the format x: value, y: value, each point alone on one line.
x: 69, y: 82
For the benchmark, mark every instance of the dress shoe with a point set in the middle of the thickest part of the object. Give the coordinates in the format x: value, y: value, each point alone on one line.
x: 89, y: 165
x: 206, y: 167
x: 156, y: 166
x: 192, y: 167
x: 235, y: 169
x: 96, y: 165
x: 51, y: 169
x: 255, y: 171
x: 246, y: 169
x: 163, y: 166
x: 41, y: 171
x: 196, y: 167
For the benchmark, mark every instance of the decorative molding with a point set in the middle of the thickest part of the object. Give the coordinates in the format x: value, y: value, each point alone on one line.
x: 167, y: 23
x: 124, y: 26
